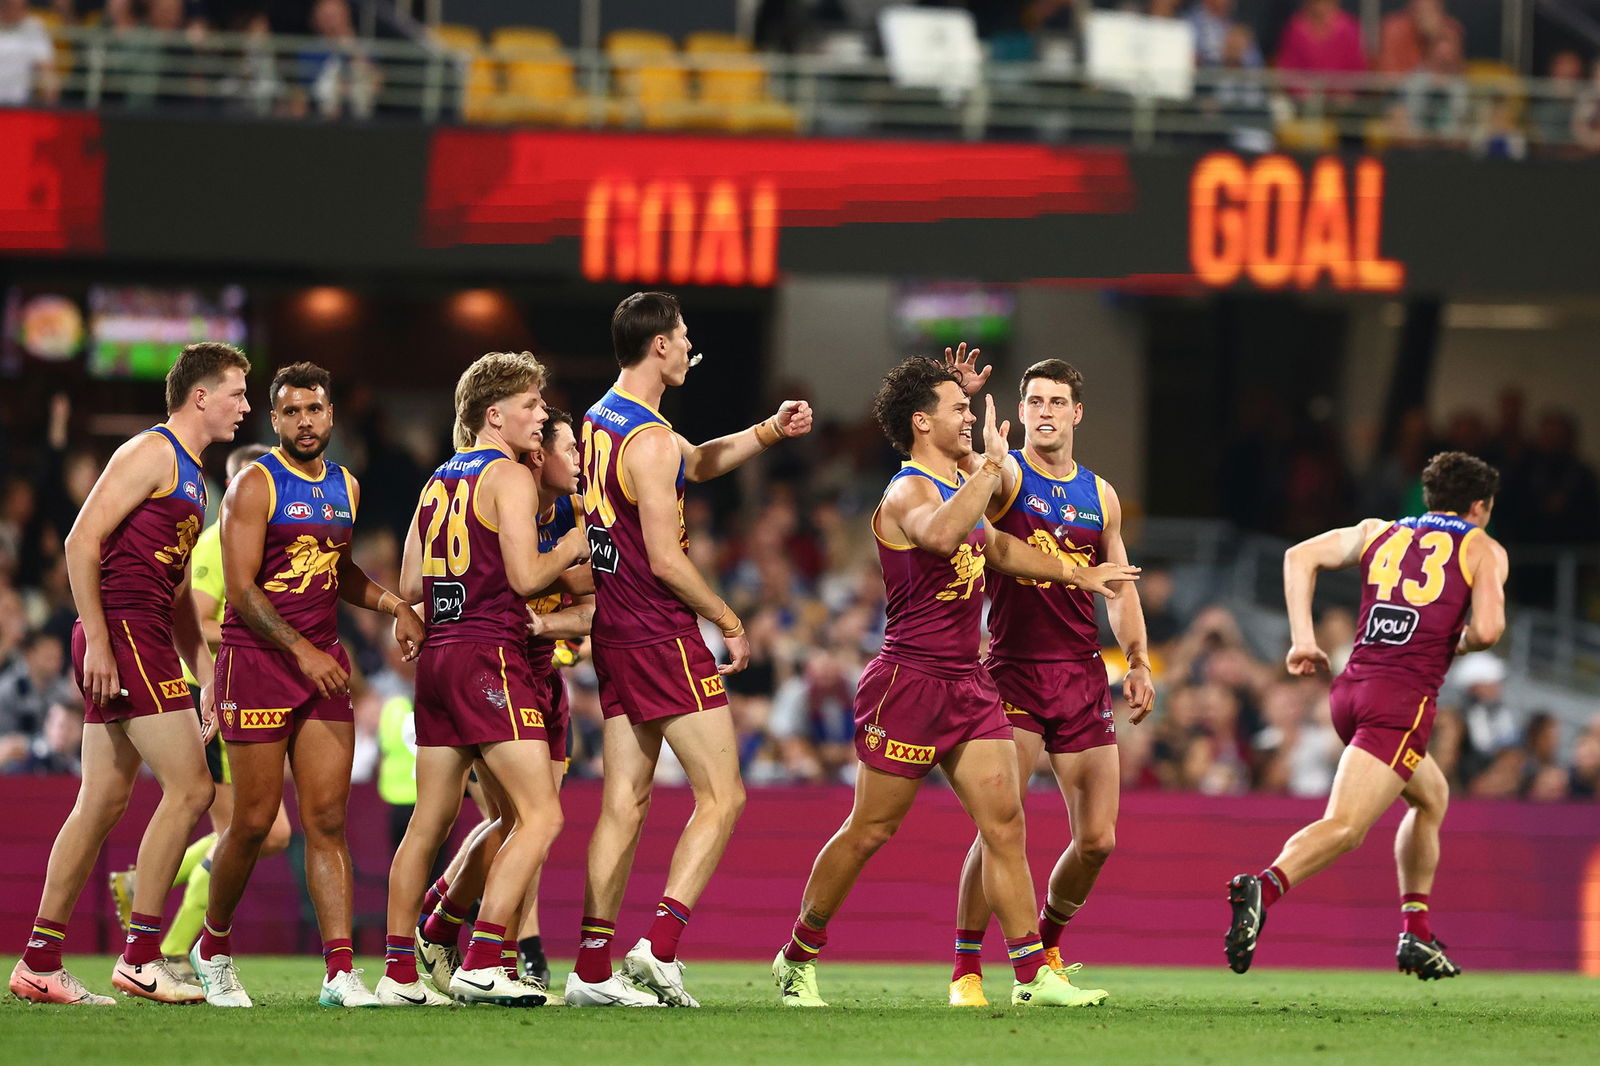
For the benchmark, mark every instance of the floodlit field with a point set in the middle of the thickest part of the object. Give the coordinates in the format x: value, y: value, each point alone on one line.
x: 881, y: 1014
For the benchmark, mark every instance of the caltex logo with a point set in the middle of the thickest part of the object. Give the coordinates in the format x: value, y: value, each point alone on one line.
x: 327, y: 512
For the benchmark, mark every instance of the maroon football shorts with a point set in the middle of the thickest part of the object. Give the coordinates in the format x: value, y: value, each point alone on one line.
x: 556, y: 710
x: 907, y: 720
x: 661, y: 680
x: 261, y: 694
x: 1067, y: 703
x: 148, y: 669
x: 470, y: 694
x: 1385, y: 719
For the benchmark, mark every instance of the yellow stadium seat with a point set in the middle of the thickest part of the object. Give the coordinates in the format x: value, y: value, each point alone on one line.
x: 734, y: 92
x: 638, y: 42
x: 709, y: 42
x: 1307, y: 135
x: 508, y: 39
x: 457, y: 37
x: 543, y: 89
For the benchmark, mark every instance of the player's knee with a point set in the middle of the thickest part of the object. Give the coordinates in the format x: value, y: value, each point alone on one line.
x: 628, y: 809
x: 866, y: 839
x: 193, y: 796
x: 277, y: 839
x: 1096, y: 848
x: 325, y: 821
x: 1348, y: 837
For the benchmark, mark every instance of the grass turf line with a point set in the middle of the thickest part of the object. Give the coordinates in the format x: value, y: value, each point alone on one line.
x: 883, y: 1014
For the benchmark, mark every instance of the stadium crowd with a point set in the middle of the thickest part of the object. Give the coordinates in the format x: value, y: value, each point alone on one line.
x: 798, y: 562
x: 1438, y: 94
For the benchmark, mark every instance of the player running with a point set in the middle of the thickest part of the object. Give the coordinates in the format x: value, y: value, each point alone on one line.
x: 1044, y: 657
x: 925, y: 701
x: 1421, y: 578
x: 472, y: 557
x: 127, y: 560
x: 658, y: 682
x: 282, y: 678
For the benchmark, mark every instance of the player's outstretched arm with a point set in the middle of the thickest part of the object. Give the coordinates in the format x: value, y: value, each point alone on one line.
x: 506, y: 490
x: 1126, y: 614
x: 651, y: 465
x: 1014, y: 556
x: 356, y: 588
x: 714, y: 458
x: 1489, y: 566
x: 244, y: 535
x: 913, y: 512
x: 140, y: 468
x: 1337, y: 549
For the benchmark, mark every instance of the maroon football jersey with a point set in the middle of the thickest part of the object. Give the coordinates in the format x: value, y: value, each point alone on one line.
x: 934, y: 602
x: 464, y: 585
x: 1044, y: 621
x: 309, y: 522
x: 142, y: 562
x: 1415, y: 593
x: 632, y: 606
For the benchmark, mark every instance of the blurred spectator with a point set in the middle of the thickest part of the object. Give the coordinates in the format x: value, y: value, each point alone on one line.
x: 1433, y: 104
x: 27, y: 58
x: 1321, y: 38
x: 813, y: 718
x: 59, y: 746
x: 1408, y: 36
x: 336, y: 76
x: 1555, y: 493
x: 1237, y: 94
x: 1586, y: 113
x: 1583, y: 780
x: 1490, y: 725
x: 1213, y: 23
x: 1550, y: 113
x: 29, y: 683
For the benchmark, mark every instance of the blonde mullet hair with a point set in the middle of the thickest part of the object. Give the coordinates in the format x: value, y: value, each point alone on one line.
x: 490, y: 379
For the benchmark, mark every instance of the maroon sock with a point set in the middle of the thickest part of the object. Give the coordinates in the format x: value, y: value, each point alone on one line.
x: 805, y: 943
x: 969, y: 953
x: 144, y: 939
x: 1414, y: 915
x: 215, y: 940
x: 1027, y: 956
x: 671, y: 918
x: 594, y: 950
x: 1052, y: 923
x: 400, y: 959
x: 43, y: 953
x: 508, y: 961
x: 443, y: 926
x: 339, y: 955
x: 483, y: 950
x: 431, y: 898
x: 1274, y: 883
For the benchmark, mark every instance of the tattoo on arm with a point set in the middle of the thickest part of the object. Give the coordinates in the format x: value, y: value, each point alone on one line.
x: 261, y: 616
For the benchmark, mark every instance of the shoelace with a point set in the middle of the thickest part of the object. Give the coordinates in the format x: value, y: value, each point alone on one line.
x: 75, y: 987
x: 228, y: 979
x: 535, y: 983
x: 1069, y: 969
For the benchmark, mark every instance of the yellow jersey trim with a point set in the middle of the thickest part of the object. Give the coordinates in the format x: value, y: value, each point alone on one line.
x: 887, y: 544
x: 622, y: 474
x: 1016, y: 490
x: 172, y: 486
x: 272, y: 488
x: 482, y: 521
x: 1461, y: 555
x: 1046, y: 474
x: 349, y: 491
x: 1100, y: 493
x: 688, y: 675
x: 914, y: 465
x: 626, y: 395
x: 167, y: 426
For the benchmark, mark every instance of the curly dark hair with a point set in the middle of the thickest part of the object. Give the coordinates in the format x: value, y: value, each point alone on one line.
x: 553, y: 420
x: 308, y: 376
x: 908, y: 388
x: 1453, y: 481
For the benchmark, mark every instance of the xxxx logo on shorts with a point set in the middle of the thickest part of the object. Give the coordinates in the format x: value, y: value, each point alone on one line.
x: 1012, y: 708
x: 531, y: 716
x: 175, y: 690
x: 712, y: 686
x: 917, y: 754
x: 1412, y: 758
x: 875, y: 737
x: 263, y: 719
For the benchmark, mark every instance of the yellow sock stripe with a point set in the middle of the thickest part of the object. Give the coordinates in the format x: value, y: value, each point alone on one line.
x: 803, y: 946
x: 49, y: 933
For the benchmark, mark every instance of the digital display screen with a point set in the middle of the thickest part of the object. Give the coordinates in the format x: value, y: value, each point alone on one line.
x: 137, y: 332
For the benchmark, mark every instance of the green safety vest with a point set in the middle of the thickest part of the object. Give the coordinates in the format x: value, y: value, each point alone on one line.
x: 397, y: 758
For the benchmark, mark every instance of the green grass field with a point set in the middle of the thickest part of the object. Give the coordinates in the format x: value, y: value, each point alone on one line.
x: 881, y: 1014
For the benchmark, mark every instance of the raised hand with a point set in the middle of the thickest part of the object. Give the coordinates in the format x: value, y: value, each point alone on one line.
x: 995, y: 442
x: 1100, y: 579
x: 793, y: 418
x: 1305, y: 660
x: 965, y: 364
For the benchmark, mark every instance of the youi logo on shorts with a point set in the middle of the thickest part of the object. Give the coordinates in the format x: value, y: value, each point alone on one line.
x: 1390, y: 623
x: 299, y: 510
x: 1036, y: 505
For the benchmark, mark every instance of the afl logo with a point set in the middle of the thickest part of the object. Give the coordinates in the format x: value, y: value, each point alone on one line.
x: 1069, y: 513
x: 299, y: 509
x: 191, y: 490
x: 1036, y: 505
x: 327, y: 512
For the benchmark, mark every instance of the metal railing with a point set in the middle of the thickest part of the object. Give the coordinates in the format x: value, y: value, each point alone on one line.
x: 367, y: 77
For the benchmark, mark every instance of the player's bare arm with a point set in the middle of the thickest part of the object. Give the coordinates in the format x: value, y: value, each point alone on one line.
x: 210, y: 627
x: 965, y: 363
x: 702, y: 462
x: 245, y: 510
x: 1127, y: 617
x: 650, y: 465
x: 189, y: 637
x: 141, y: 467
x: 572, y: 622
x: 509, y: 489
x: 1337, y: 549
x: 1489, y: 566
x: 1014, y: 556
x: 355, y: 587
x: 912, y: 511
